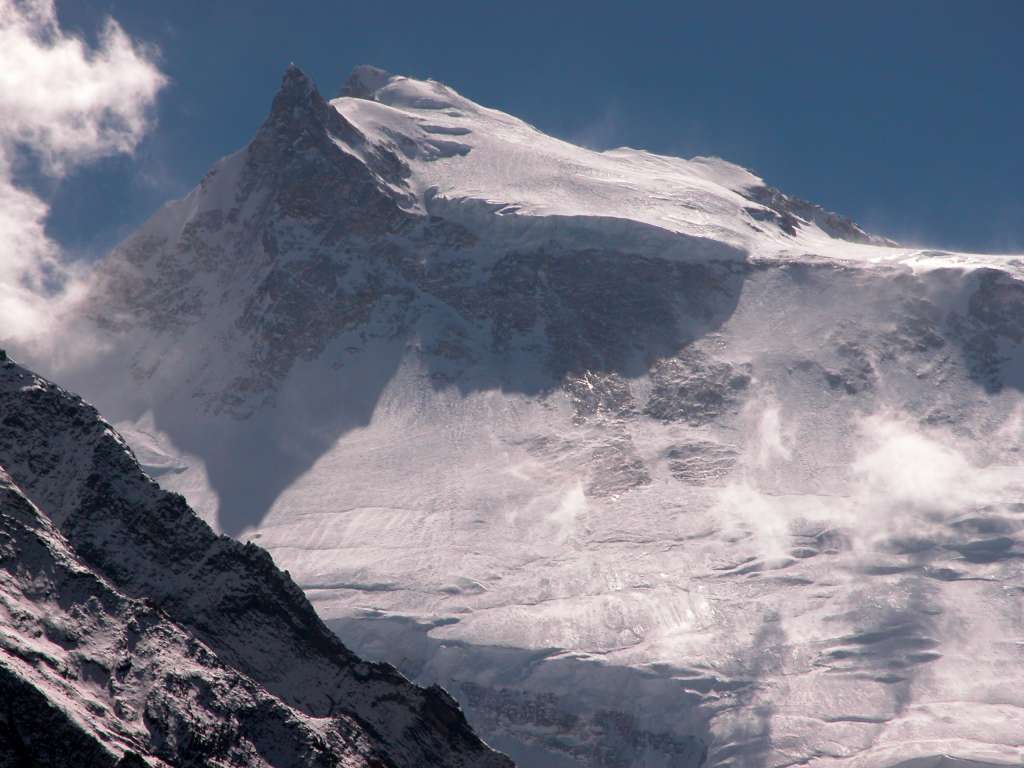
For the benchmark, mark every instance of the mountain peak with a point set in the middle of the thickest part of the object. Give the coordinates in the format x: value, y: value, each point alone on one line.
x: 296, y: 88
x: 364, y: 82
x: 374, y: 84
x: 294, y: 71
x: 300, y: 112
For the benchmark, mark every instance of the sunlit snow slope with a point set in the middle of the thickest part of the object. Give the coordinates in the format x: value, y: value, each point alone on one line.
x: 645, y: 461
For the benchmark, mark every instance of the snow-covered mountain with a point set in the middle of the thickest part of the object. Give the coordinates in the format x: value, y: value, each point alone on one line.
x: 132, y: 635
x: 645, y: 461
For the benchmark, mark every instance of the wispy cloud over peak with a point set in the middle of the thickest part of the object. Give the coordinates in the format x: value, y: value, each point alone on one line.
x: 63, y: 103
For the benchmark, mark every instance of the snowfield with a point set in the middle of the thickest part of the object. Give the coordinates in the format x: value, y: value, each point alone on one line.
x: 646, y: 462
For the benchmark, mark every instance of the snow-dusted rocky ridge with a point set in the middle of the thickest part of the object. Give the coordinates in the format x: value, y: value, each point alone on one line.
x: 645, y: 461
x: 132, y: 635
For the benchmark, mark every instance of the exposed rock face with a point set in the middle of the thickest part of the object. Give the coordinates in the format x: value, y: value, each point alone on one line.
x: 789, y: 213
x: 702, y: 463
x: 91, y: 677
x: 607, y: 738
x: 143, y: 638
x: 696, y: 389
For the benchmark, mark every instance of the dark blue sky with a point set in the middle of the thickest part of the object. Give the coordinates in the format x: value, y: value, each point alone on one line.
x: 907, y: 116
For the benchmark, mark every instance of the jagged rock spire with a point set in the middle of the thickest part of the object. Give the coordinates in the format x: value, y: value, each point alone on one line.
x: 299, y: 102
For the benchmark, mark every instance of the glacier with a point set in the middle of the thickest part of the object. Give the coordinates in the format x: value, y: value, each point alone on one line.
x: 645, y: 461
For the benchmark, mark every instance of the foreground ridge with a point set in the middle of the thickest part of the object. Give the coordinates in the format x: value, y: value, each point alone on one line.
x: 143, y: 638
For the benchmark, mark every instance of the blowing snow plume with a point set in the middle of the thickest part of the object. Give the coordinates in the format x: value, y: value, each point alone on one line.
x: 64, y: 104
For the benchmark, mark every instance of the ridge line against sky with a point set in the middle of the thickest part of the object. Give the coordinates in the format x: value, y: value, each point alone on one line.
x: 902, y: 118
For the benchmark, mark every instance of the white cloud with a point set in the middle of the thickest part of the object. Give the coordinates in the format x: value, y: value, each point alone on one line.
x: 63, y: 104
x: 771, y: 444
x: 906, y: 480
x: 911, y: 481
